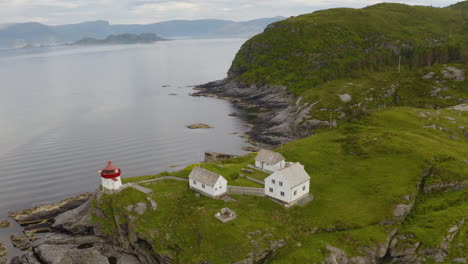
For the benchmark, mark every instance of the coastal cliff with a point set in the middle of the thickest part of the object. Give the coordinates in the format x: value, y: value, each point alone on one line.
x: 325, y: 68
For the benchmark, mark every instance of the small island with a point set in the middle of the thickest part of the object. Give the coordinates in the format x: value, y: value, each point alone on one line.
x: 122, y: 39
x: 198, y: 126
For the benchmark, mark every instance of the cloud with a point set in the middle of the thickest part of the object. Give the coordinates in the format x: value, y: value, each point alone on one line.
x: 146, y: 11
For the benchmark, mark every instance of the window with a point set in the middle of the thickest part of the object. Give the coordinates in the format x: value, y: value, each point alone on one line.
x: 203, y: 185
x: 271, y: 189
x: 281, y: 183
x: 194, y: 182
x: 303, y: 188
x: 273, y: 181
x: 282, y: 193
x: 295, y: 192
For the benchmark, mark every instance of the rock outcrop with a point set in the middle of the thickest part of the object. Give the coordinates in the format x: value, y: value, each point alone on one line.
x: 75, y: 238
x: 199, y: 126
x: 3, y: 250
x: 283, y: 116
x: 20, y: 242
x: 217, y: 156
x: 4, y: 224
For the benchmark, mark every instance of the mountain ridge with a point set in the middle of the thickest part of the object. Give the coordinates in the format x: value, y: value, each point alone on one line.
x: 33, y: 33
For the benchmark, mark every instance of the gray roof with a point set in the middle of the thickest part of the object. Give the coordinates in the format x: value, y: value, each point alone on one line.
x: 294, y: 174
x: 269, y: 157
x: 204, y: 176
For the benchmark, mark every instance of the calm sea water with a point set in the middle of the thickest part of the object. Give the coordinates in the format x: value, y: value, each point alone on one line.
x: 66, y: 111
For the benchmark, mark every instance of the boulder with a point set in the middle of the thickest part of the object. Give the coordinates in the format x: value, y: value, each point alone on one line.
x: 27, y: 258
x: 154, y: 205
x: 127, y: 259
x: 336, y: 256
x: 345, y: 98
x: 77, y: 220
x: 20, y: 242
x: 3, y: 260
x: 40, y: 213
x: 402, y: 210
x: 69, y: 254
x: 61, y: 239
x: 3, y: 250
x: 4, y: 224
x: 451, y: 72
x: 129, y: 208
x: 140, y: 208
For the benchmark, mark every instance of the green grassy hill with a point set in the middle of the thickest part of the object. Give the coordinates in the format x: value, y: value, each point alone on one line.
x: 305, y: 51
x: 359, y: 173
x: 389, y: 182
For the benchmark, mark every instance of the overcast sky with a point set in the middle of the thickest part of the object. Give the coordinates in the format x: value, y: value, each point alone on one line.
x: 53, y: 12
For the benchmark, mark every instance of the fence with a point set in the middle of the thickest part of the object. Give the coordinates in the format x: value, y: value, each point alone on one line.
x: 246, y: 190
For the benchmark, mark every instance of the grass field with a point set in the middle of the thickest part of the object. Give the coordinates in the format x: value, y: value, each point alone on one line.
x: 359, y: 173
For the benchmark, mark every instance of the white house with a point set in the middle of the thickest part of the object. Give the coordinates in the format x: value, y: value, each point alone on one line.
x: 269, y: 160
x: 289, y: 184
x: 207, y: 182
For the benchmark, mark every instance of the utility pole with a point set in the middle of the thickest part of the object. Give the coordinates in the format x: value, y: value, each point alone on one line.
x: 399, y: 63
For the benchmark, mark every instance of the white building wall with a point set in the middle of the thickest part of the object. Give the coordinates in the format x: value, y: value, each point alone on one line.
x: 201, y: 187
x: 301, y: 190
x: 258, y: 164
x: 110, y: 184
x: 274, y: 167
x: 278, y: 186
x: 220, y: 187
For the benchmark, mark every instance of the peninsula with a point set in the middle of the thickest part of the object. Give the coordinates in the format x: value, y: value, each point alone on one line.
x: 370, y: 105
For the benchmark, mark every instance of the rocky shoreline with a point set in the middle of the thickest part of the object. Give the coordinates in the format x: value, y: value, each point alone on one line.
x: 282, y: 116
x: 73, y: 237
x: 65, y: 233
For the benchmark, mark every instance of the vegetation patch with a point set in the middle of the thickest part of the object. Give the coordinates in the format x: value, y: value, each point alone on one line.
x: 359, y: 173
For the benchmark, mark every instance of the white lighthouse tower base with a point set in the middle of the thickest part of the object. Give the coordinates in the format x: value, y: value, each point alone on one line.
x: 111, y: 184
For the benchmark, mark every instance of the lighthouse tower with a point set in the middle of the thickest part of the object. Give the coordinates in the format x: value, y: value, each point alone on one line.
x: 110, y: 177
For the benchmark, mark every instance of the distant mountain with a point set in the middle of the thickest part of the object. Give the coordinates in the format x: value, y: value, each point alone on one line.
x: 145, y: 38
x: 21, y: 34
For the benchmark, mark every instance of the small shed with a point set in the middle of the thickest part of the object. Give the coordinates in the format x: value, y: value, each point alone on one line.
x: 269, y: 160
x: 289, y: 184
x: 207, y: 182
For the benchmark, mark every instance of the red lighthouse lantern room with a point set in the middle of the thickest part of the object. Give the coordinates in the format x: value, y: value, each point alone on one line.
x: 110, y: 177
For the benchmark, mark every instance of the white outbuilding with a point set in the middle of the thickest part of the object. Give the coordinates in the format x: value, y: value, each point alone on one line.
x: 288, y: 185
x: 269, y: 160
x: 207, y: 182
